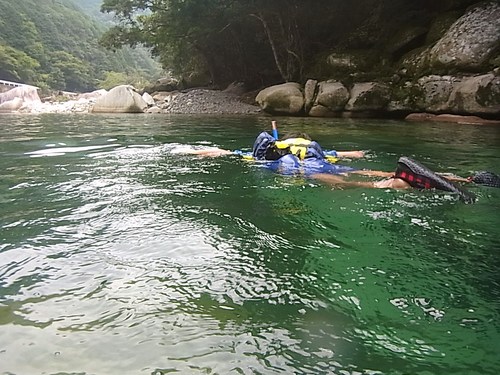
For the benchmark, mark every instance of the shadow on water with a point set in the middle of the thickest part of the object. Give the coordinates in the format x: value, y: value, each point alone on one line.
x: 214, y: 265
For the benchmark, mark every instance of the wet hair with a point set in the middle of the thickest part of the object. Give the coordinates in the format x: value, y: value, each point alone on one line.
x: 297, y: 135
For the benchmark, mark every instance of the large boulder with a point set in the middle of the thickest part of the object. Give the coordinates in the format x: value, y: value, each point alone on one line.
x: 368, y: 96
x: 331, y: 98
x: 434, y: 92
x: 120, y: 99
x: 471, y: 41
x: 93, y: 95
x: 28, y: 94
x: 310, y: 91
x: 11, y: 105
x: 19, y: 97
x: 148, y: 99
x: 286, y: 99
x: 235, y: 88
x: 477, y: 95
x: 163, y: 84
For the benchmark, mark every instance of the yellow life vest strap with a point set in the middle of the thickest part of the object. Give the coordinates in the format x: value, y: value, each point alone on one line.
x: 298, y: 146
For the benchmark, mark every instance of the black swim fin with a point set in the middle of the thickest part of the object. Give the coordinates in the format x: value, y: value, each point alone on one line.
x: 486, y: 178
x: 421, y: 177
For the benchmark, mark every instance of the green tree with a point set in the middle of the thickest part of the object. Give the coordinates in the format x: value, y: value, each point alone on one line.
x: 16, y: 65
x: 74, y: 72
x: 113, y: 79
x: 255, y: 40
x: 56, y: 44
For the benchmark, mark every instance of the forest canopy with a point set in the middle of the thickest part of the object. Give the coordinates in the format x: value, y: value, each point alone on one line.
x: 55, y: 44
x: 262, y: 41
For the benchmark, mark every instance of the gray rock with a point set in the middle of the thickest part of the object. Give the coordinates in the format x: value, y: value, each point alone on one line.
x: 477, y: 95
x: 332, y: 95
x: 148, y: 99
x: 11, y: 105
x: 471, y: 40
x: 434, y: 92
x: 163, y: 84
x: 368, y: 96
x: 154, y: 109
x: 310, y: 90
x: 93, y: 95
x: 318, y: 110
x: 470, y: 120
x: 286, y: 98
x: 28, y: 94
x: 205, y: 101
x: 235, y: 88
x: 120, y: 99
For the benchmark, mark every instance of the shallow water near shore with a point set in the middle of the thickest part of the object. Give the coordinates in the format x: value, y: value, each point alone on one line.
x: 119, y: 257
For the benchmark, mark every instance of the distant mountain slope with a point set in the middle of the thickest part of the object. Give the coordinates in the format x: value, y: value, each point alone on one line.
x: 89, y: 6
x: 54, y: 44
x: 92, y: 8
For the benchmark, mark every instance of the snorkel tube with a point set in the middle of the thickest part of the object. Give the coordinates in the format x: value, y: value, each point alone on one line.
x: 275, y: 130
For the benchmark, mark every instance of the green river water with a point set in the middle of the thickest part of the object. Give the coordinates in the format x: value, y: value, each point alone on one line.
x: 119, y: 257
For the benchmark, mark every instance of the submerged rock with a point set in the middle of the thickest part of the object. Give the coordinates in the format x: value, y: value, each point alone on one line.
x: 458, y: 119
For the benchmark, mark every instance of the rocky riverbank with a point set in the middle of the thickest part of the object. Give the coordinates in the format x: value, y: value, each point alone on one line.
x: 195, y: 101
x: 200, y: 101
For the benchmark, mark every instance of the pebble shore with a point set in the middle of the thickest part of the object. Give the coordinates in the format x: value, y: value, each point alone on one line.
x: 196, y: 101
x: 205, y: 101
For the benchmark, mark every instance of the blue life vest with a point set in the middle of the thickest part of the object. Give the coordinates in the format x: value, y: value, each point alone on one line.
x: 294, y: 156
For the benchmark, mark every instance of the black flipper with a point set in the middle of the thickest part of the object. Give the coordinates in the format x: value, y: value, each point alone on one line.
x: 421, y: 177
x: 486, y: 178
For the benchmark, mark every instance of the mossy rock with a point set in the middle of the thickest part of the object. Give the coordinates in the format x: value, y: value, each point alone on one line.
x: 340, y: 65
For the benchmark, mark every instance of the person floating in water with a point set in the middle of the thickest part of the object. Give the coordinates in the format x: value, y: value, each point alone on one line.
x: 298, y: 154
x: 270, y: 147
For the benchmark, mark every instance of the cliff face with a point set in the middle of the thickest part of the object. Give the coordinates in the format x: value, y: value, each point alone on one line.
x: 444, y: 60
x: 410, y: 38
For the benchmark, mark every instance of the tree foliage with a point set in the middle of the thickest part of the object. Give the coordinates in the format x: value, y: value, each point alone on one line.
x: 54, y: 44
x: 16, y: 65
x: 260, y: 41
x: 219, y: 36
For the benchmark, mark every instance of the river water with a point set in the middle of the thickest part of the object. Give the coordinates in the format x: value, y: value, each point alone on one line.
x: 119, y: 257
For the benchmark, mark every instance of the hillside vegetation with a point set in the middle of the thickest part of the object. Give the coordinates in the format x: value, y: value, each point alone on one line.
x: 54, y: 44
x: 263, y: 42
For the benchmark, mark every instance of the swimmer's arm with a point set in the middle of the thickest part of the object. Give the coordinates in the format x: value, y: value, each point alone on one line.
x: 219, y: 152
x: 350, y: 154
x: 213, y: 152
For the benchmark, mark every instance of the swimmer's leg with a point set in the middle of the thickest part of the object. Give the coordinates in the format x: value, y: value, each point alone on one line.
x: 392, y: 183
x: 337, y: 180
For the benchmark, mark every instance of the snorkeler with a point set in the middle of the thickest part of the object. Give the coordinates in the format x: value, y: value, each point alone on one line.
x: 271, y: 147
x: 298, y: 154
x: 411, y: 174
